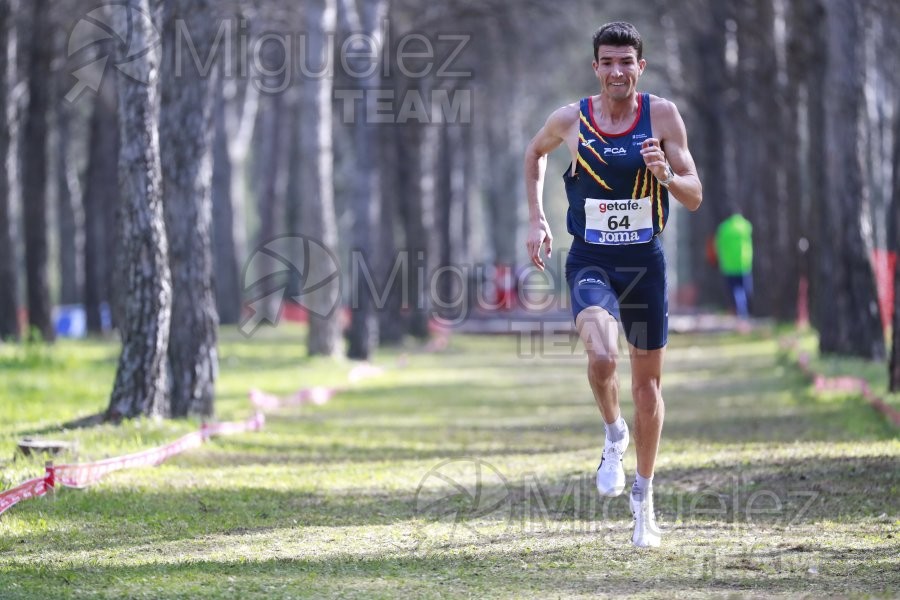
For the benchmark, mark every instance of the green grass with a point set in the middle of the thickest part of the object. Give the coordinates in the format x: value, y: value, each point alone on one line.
x: 875, y: 373
x: 761, y: 487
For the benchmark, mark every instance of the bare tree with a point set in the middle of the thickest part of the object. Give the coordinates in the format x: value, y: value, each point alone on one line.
x: 9, y: 326
x: 241, y: 120
x: 141, y: 385
x: 101, y: 196
x: 34, y: 174
x: 237, y: 106
x: 848, y: 294
x: 416, y: 192
x: 890, y: 13
x: 269, y: 161
x: 807, y: 47
x: 700, y: 31
x: 185, y: 132
x: 225, y: 260
x: 805, y: 74
x: 424, y: 226
x: 69, y: 209
x: 758, y: 156
x: 392, y: 325
x: 366, y: 208
x: 316, y: 166
x: 894, y: 245
x: 503, y: 120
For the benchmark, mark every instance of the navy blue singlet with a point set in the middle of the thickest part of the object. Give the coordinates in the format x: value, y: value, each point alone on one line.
x: 617, y: 209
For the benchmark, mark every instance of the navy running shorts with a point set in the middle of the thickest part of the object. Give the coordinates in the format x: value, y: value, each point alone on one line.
x: 628, y: 281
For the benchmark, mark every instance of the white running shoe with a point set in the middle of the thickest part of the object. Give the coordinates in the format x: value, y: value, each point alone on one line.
x: 610, y: 473
x: 646, y: 532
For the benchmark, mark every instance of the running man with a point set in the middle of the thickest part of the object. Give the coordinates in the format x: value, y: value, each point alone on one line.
x: 629, y: 153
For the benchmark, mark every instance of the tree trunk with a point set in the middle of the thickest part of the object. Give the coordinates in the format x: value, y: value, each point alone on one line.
x: 444, y: 287
x: 34, y: 176
x: 141, y: 379
x: 757, y: 150
x: 185, y: 132
x: 811, y: 16
x: 366, y: 204
x: 804, y: 39
x: 391, y: 320
x: 225, y: 260
x: 101, y: 192
x: 854, y: 324
x: 894, y: 246
x: 9, y: 323
x: 266, y: 165
x: 702, y: 27
x: 780, y: 265
x: 416, y: 195
x: 69, y: 210
x: 891, y: 13
x: 317, y: 211
x: 241, y: 123
x: 505, y: 130
x: 236, y: 117
x: 503, y: 217
x: 296, y: 191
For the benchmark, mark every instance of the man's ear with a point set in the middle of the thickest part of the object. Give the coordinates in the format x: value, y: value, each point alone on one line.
x: 642, y: 64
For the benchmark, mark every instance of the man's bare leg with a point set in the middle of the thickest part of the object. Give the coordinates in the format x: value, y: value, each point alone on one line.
x: 649, y: 408
x: 649, y: 413
x: 599, y: 332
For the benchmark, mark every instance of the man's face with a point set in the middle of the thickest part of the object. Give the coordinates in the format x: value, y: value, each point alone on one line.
x: 618, y: 69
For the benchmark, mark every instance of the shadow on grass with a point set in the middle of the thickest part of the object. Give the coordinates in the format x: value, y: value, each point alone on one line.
x: 583, y: 432
x: 788, y: 495
x: 493, y: 571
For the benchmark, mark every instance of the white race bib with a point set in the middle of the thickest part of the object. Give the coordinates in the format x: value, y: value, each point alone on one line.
x: 617, y: 222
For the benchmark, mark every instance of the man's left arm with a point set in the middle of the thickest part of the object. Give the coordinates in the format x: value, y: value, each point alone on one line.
x: 684, y: 183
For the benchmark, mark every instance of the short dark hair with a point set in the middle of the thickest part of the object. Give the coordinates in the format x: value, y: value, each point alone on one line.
x: 618, y: 33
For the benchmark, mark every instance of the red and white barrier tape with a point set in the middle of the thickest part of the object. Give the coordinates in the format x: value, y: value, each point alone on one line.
x: 364, y: 371
x: 320, y: 395
x: 33, y: 488
x: 852, y: 385
x: 314, y: 395
x: 85, y: 474
x: 254, y: 423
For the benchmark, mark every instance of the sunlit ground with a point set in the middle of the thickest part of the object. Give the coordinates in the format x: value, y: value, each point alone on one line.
x: 463, y: 473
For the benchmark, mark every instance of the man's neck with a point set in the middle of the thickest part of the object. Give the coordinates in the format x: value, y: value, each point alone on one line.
x: 615, y: 112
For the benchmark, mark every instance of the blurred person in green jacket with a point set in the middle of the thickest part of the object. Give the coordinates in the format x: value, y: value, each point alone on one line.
x: 734, y: 249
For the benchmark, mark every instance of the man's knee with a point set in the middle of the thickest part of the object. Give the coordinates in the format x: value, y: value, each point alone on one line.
x: 599, y: 331
x: 602, y: 366
x: 647, y: 396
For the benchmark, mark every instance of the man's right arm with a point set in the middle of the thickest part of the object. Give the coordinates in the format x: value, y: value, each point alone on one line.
x: 551, y: 135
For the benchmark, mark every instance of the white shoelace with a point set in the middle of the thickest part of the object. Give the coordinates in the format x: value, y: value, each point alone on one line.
x: 612, y: 451
x: 648, y: 515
